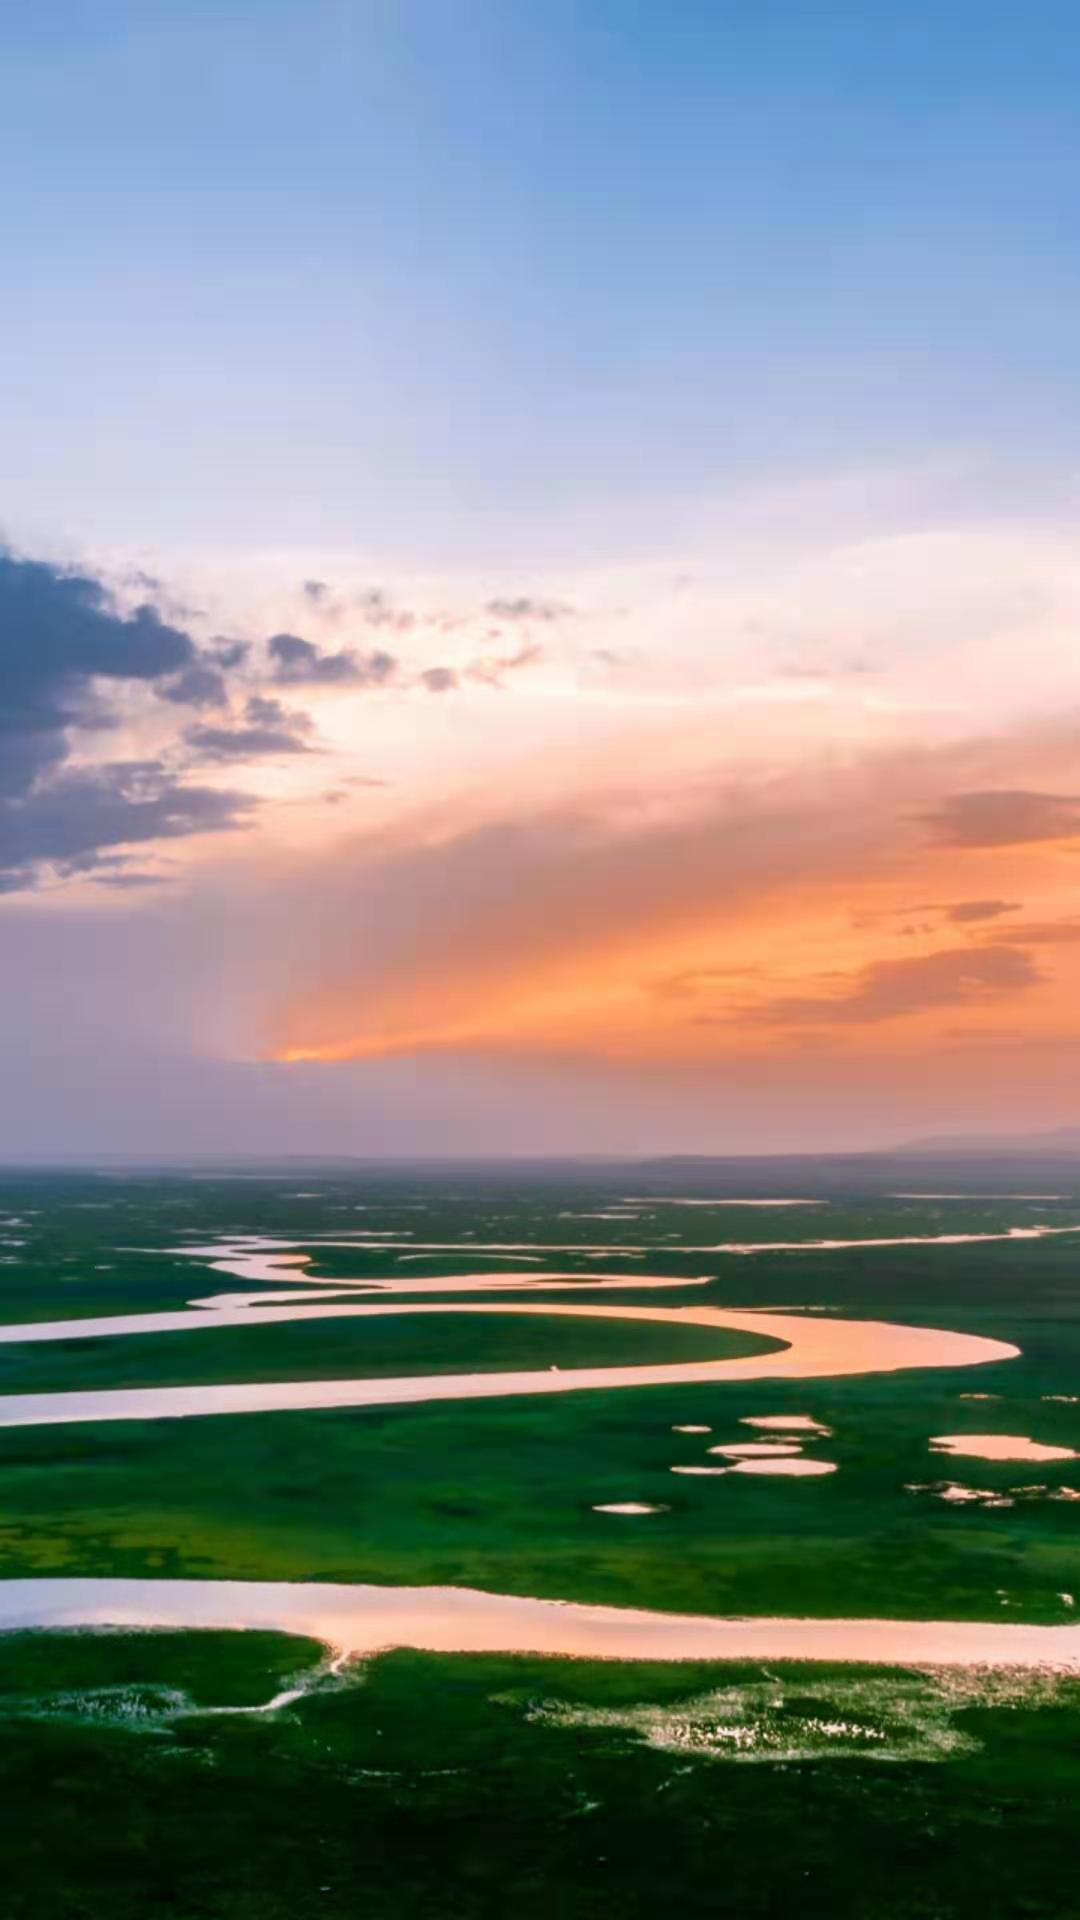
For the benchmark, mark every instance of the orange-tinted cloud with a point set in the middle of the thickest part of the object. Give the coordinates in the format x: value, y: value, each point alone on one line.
x: 1047, y: 933
x: 890, y: 989
x: 1010, y: 817
x: 963, y: 911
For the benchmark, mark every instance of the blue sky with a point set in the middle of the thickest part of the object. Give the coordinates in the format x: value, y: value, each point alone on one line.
x: 448, y: 278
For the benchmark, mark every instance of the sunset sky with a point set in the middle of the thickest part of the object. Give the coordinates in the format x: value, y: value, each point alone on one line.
x: 540, y: 584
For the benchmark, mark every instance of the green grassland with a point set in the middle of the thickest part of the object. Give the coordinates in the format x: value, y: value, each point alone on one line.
x: 343, y: 1349
x: 445, y: 1787
x: 442, y: 1786
x: 210, y: 1668
x: 500, y: 1494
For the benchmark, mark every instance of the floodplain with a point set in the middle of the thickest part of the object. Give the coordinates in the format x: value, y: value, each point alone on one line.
x: 382, y: 1540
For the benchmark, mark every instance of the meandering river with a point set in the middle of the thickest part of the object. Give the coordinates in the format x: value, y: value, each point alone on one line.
x: 813, y: 1347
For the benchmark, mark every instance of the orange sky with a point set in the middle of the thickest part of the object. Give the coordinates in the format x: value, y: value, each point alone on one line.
x: 724, y: 855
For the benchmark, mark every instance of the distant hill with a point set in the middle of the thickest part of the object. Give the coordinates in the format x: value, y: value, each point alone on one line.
x: 1056, y: 1141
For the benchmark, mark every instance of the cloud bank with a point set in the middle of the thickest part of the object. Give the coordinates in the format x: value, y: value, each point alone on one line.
x: 66, y: 653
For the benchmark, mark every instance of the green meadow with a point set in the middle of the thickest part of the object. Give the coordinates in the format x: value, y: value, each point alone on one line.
x: 435, y: 1785
x: 135, y: 1774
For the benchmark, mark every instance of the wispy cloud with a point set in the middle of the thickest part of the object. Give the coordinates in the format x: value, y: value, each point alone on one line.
x: 528, y: 609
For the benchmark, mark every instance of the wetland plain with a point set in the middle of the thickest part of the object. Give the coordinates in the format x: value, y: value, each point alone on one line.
x: 537, y: 1542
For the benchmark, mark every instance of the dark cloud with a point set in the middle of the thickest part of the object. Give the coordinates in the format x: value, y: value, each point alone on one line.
x: 230, y: 653
x: 267, y: 729
x: 70, y: 820
x: 63, y: 643
x: 297, y: 662
x: 242, y: 743
x: 199, y: 685
x: 889, y: 989
x: 108, y: 870
x: 1007, y: 817
x: 260, y: 711
x: 57, y: 624
x: 58, y: 636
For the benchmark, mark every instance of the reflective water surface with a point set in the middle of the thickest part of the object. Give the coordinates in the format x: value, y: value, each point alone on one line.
x: 369, y: 1619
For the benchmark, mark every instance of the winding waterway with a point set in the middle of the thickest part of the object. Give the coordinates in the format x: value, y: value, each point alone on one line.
x: 360, y: 1620
x: 809, y: 1347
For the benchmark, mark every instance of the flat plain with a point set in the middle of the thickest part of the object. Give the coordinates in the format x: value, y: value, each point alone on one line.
x: 260, y: 1772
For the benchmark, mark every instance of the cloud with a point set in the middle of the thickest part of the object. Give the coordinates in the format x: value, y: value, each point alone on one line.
x: 125, y: 881
x: 891, y: 989
x: 263, y: 711
x: 74, y: 817
x: 373, y: 604
x: 964, y: 911
x: 59, y: 635
x: 267, y: 729
x: 958, y: 912
x: 1047, y: 933
x: 378, y: 611
x: 1004, y: 818
x: 230, y: 653
x: 488, y: 671
x: 242, y: 743
x: 63, y: 643
x: 199, y: 685
x: 492, y: 669
x: 593, y: 906
x: 439, y: 679
x: 58, y: 623
x: 527, y: 608
x: 541, y: 929
x: 297, y: 662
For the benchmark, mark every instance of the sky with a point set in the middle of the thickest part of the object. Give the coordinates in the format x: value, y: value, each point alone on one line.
x: 539, y: 588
